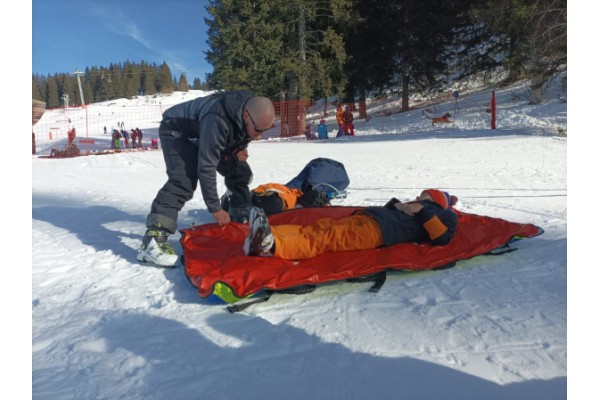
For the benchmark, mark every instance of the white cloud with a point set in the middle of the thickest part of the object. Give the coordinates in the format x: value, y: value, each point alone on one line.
x: 116, y: 21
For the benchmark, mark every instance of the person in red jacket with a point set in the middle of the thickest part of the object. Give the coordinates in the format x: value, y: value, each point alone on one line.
x: 348, y: 118
x: 134, y: 135
x: 427, y: 219
x: 71, y: 135
x: 339, y: 117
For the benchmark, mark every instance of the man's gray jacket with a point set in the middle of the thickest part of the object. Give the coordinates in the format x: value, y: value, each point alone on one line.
x: 214, y: 123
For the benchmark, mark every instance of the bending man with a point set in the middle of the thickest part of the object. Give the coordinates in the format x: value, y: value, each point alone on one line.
x: 200, y: 138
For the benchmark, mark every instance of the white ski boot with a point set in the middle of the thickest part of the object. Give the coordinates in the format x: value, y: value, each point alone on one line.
x: 156, y: 250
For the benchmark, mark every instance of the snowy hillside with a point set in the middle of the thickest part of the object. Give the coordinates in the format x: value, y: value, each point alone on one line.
x: 105, y: 326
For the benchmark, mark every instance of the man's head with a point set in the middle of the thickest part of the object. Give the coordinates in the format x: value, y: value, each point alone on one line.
x: 258, y: 116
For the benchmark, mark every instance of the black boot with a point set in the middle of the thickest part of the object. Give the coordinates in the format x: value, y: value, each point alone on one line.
x: 240, y: 214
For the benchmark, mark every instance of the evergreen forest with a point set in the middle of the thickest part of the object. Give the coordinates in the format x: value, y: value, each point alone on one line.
x: 311, y: 49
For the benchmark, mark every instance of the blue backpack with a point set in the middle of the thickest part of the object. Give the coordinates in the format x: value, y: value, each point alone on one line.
x: 322, y: 175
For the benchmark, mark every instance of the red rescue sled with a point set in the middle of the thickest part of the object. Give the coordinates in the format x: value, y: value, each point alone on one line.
x: 215, y: 262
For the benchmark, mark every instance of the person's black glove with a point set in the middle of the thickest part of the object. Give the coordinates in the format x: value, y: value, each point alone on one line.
x: 313, y: 198
x: 392, y: 203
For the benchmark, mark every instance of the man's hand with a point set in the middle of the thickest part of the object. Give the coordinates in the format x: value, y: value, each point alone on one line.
x: 222, y: 217
x: 242, y: 155
x: 409, y: 208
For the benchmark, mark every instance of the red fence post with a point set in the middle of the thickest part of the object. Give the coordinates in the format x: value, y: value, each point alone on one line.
x: 362, y: 109
x: 493, y: 109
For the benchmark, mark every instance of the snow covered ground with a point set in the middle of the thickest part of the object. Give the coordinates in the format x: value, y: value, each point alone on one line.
x: 105, y: 326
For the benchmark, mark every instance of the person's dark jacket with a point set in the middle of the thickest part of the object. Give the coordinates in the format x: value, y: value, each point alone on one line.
x: 348, y: 117
x: 214, y: 123
x: 432, y: 224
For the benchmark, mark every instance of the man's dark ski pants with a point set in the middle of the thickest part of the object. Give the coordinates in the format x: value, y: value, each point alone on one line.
x: 181, y: 159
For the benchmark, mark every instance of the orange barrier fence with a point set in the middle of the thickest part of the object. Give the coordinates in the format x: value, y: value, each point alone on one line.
x: 91, y: 128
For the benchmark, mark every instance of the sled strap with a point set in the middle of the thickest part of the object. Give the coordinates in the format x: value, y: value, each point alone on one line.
x: 303, y: 289
x: 243, y: 304
x: 500, y: 250
x: 377, y: 279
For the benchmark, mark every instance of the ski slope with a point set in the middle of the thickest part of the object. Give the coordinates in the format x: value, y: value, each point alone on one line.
x: 105, y: 326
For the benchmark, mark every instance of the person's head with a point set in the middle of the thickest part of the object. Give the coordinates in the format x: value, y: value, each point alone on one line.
x: 258, y: 116
x: 437, y: 196
x: 322, y: 121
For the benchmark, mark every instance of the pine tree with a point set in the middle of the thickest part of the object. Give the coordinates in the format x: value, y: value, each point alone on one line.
x: 104, y: 83
x: 103, y: 91
x: 67, y: 88
x: 86, y: 87
x: 131, y: 73
x: 531, y: 36
x: 164, y: 83
x: 117, y: 85
x: 245, y: 46
x: 148, y: 78
x: 400, y: 41
x: 52, y: 99
x: 183, y: 83
x: 36, y: 92
x: 315, y: 51
x: 290, y: 50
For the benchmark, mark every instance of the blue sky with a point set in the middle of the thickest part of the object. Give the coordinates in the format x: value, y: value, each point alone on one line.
x: 74, y: 34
